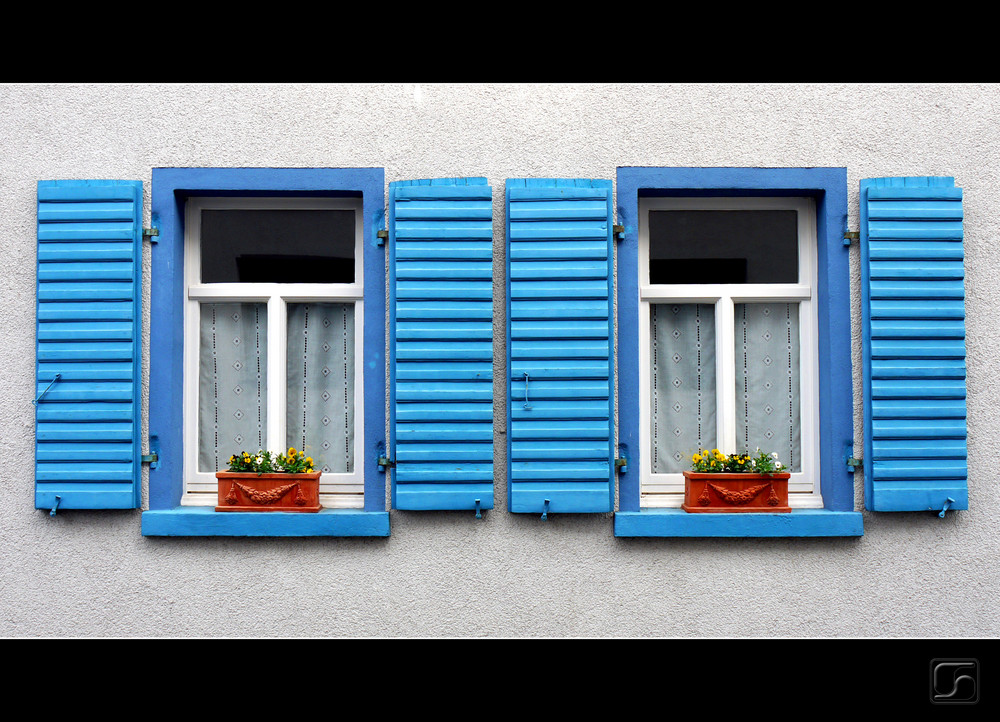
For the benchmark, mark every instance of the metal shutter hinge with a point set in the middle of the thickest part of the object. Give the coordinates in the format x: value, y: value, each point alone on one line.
x: 851, y: 462
x: 545, y: 511
x: 153, y: 457
x: 58, y: 498
x: 851, y: 236
x: 382, y: 459
x: 619, y: 232
x: 382, y: 236
x: 945, y: 508
x: 479, y: 512
x: 149, y: 234
x: 621, y: 463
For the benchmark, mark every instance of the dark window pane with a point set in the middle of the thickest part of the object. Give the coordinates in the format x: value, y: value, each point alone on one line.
x: 277, y: 246
x: 723, y: 246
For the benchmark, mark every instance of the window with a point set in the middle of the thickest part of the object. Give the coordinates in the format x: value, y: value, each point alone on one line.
x: 270, y: 264
x: 728, y: 337
x: 676, y: 222
x: 275, y: 305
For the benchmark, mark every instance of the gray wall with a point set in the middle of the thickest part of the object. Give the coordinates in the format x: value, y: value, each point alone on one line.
x: 448, y: 574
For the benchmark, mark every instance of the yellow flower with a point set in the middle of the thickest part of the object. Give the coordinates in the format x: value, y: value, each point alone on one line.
x: 696, y: 458
x: 309, y: 460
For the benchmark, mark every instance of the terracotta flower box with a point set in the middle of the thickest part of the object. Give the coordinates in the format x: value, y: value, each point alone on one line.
x: 248, y: 491
x: 735, y: 493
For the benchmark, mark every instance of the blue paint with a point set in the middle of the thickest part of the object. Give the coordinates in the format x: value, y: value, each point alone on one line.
x: 441, y: 343
x: 829, y: 188
x: 205, y: 521
x: 560, y: 363
x: 170, y: 189
x: 913, y: 344
x: 88, y: 345
x: 679, y: 523
x: 46, y: 389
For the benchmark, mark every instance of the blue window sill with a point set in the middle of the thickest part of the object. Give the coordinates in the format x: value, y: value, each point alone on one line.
x: 205, y: 521
x: 679, y: 523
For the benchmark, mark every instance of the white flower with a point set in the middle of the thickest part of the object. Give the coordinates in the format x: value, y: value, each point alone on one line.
x: 260, y: 459
x: 774, y: 454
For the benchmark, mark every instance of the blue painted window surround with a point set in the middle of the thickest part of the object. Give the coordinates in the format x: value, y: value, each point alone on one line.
x: 828, y: 186
x: 171, y: 187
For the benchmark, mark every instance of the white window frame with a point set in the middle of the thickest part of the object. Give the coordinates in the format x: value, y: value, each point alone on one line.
x: 337, y: 490
x: 667, y: 490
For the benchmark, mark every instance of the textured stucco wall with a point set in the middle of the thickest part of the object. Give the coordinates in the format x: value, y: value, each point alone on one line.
x: 93, y: 574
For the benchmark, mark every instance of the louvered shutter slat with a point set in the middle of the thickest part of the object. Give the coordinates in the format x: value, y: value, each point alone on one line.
x: 559, y: 353
x: 87, y: 446
x: 914, y: 344
x: 441, y: 276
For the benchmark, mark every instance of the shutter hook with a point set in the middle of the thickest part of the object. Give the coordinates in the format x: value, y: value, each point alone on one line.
x: 545, y: 511
x: 45, y: 390
x: 946, y: 505
x: 55, y: 506
x: 526, y: 404
x: 479, y: 514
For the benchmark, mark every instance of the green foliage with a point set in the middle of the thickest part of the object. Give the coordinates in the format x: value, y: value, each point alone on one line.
x: 295, y: 462
x: 714, y: 461
x: 264, y: 462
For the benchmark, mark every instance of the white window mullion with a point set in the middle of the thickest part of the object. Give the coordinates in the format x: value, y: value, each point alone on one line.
x: 277, y: 332
x: 725, y: 358
x: 645, y: 394
x: 808, y: 480
x: 359, y: 385
x: 663, y: 490
x: 192, y: 477
x: 703, y: 293
x: 340, y: 489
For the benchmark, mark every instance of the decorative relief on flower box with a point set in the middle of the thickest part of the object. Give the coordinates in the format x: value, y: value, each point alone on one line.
x: 264, y: 496
x: 729, y: 493
x: 268, y: 492
x: 745, y: 496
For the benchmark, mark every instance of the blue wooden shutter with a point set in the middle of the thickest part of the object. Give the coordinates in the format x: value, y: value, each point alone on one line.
x: 913, y: 344
x: 559, y: 346
x: 89, y: 320
x: 441, y: 341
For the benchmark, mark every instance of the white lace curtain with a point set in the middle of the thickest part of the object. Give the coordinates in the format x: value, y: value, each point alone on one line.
x: 232, y: 393
x: 683, y: 393
x: 319, y: 378
x: 684, y: 385
x: 767, y: 380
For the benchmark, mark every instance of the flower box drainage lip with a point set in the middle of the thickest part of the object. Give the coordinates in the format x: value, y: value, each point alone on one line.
x: 249, y: 491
